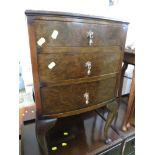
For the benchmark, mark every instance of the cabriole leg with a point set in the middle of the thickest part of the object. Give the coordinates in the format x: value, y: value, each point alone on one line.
x: 42, y: 127
x: 112, y: 108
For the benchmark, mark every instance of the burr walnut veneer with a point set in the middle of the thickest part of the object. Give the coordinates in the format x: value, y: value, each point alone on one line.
x: 76, y: 64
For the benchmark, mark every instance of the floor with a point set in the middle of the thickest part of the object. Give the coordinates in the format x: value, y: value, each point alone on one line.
x: 26, y: 106
x: 28, y: 113
x: 25, y: 98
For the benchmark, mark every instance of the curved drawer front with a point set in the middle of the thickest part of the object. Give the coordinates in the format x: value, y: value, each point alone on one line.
x: 71, y: 34
x: 61, y: 99
x: 74, y: 65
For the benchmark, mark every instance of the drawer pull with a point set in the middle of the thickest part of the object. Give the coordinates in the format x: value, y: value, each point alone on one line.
x: 88, y: 65
x: 90, y: 37
x: 86, y: 96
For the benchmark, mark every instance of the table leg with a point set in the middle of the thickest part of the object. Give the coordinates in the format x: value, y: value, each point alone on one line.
x: 130, y: 107
x: 42, y: 127
x: 125, y: 65
x: 112, y: 108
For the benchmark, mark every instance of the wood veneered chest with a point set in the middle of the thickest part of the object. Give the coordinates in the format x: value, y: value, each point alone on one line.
x: 76, y: 61
x: 76, y: 64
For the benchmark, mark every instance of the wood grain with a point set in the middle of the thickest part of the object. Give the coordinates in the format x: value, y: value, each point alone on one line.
x: 67, y: 89
x: 61, y: 99
x: 71, y: 64
x: 75, y: 34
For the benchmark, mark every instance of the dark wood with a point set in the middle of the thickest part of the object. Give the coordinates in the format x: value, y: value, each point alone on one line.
x: 34, y: 66
x: 131, y: 105
x: 99, y: 92
x: 83, y: 138
x: 128, y: 146
x: 111, y: 114
x: 118, y: 121
x: 125, y: 66
x: 42, y: 128
x: 67, y: 14
x: 31, y: 24
x: 86, y: 136
x: 87, y: 66
x: 79, y: 80
x: 74, y: 34
x: 104, y: 61
x: 129, y: 58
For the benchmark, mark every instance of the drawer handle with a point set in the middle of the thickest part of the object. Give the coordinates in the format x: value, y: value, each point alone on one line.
x: 90, y: 37
x: 88, y: 65
x: 86, y: 96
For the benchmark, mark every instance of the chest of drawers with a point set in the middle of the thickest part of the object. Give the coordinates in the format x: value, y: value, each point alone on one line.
x: 76, y: 63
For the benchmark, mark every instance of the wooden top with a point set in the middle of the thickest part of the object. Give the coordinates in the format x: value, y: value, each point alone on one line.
x: 76, y: 15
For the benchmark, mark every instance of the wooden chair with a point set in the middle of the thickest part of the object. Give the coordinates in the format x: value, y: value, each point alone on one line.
x: 129, y: 58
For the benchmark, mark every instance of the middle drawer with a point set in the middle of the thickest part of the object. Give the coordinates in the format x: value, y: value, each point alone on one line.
x: 54, y: 67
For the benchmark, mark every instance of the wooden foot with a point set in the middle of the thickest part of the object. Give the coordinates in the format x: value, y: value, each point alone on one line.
x: 42, y: 127
x: 124, y: 128
x: 112, y: 108
x: 128, y: 125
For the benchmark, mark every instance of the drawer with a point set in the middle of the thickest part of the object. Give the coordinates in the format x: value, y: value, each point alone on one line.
x: 61, y: 34
x: 129, y: 146
x: 78, y: 64
x: 115, y: 150
x: 65, y: 98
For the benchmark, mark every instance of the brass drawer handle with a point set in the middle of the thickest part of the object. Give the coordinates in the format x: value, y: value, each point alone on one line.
x: 90, y: 37
x: 86, y: 96
x: 88, y: 65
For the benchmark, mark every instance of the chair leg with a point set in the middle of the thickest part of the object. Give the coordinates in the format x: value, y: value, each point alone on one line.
x: 130, y: 104
x: 125, y: 65
x: 42, y: 127
x: 112, y: 108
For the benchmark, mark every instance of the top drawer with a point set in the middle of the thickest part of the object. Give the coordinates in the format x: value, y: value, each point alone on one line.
x: 74, y: 34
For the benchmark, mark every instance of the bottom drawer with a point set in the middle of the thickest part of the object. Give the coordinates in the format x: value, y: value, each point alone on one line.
x: 115, y: 150
x: 73, y: 97
x: 129, y: 147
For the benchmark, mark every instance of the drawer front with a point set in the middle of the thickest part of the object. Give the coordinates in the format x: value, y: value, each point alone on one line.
x: 115, y: 150
x: 61, y: 99
x: 61, y: 34
x: 75, y: 64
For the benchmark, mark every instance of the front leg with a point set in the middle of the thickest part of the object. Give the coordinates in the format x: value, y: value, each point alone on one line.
x: 112, y: 108
x: 42, y: 127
